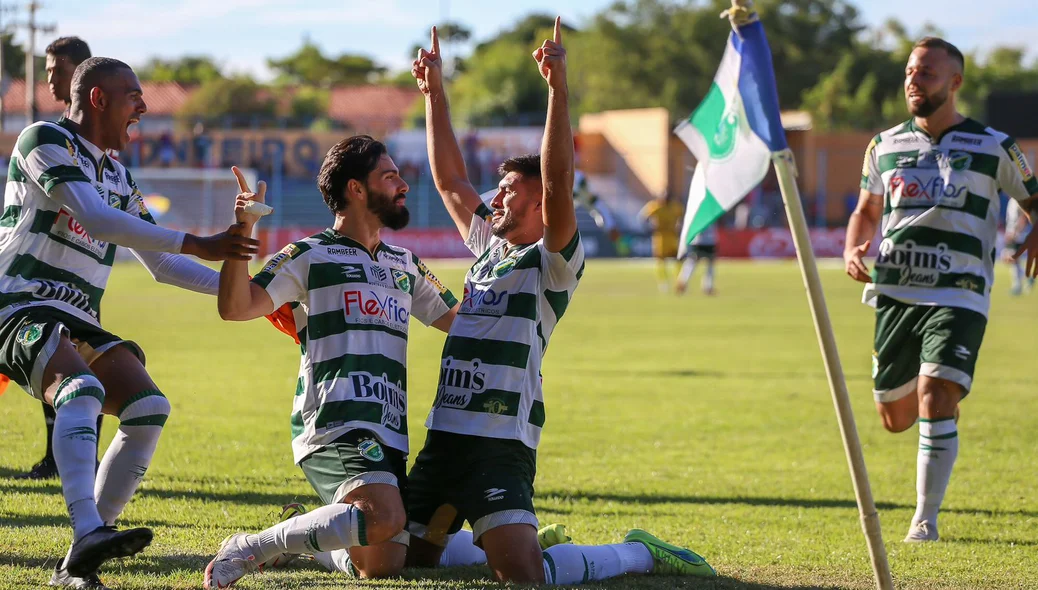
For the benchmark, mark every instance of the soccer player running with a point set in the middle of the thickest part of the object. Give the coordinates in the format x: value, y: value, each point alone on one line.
x: 67, y: 206
x: 479, y: 457
x: 664, y: 215
x: 63, y: 55
x: 932, y: 185
x: 355, y: 296
x: 703, y: 247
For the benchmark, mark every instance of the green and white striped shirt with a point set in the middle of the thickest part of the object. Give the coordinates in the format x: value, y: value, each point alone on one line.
x: 941, y: 211
x: 352, y: 315
x: 490, y: 371
x: 59, y: 185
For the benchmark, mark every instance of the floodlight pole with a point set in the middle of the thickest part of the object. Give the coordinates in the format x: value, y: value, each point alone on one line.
x: 785, y: 168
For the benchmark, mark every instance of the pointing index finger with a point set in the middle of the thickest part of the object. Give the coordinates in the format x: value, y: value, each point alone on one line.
x: 558, y: 30
x: 435, y: 45
x: 243, y: 185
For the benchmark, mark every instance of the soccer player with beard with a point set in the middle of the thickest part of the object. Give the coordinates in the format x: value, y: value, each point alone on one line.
x: 354, y: 296
x: 933, y: 183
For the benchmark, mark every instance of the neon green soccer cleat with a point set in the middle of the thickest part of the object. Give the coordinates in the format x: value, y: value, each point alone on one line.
x: 553, y: 534
x: 670, y: 559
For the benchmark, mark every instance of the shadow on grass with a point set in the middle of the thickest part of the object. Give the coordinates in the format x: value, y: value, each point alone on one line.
x: 713, y: 374
x: 254, y: 498
x: 15, y: 520
x: 635, y: 498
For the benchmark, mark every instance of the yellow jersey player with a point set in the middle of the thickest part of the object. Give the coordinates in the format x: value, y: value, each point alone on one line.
x: 664, y: 215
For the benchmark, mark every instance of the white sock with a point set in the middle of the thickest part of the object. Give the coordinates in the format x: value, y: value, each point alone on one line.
x: 708, y: 276
x: 1018, y: 274
x: 336, y: 526
x: 460, y: 550
x: 938, y: 448
x: 129, y: 455
x: 687, y: 268
x: 77, y: 404
x: 336, y: 561
x: 575, y: 564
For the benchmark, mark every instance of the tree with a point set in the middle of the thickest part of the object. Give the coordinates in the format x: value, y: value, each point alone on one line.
x: 237, y: 97
x: 309, y: 66
x: 187, y: 70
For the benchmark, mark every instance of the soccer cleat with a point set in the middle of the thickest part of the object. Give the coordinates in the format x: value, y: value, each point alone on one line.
x: 288, y: 511
x: 232, y: 561
x: 922, y: 532
x: 45, y: 469
x: 62, y: 578
x: 670, y: 559
x: 102, y: 544
x: 553, y: 534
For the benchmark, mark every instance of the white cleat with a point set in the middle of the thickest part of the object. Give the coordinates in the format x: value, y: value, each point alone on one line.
x: 922, y: 532
x: 232, y: 561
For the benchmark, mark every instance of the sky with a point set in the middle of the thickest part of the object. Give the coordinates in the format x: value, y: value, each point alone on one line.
x: 241, y: 34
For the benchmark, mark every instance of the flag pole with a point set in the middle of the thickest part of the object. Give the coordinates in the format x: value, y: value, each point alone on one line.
x: 785, y: 168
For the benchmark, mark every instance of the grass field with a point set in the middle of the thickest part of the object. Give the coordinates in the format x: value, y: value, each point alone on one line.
x: 705, y: 421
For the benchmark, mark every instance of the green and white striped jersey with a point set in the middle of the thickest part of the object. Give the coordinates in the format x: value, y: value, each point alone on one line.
x: 941, y: 211
x: 46, y: 256
x: 352, y: 321
x: 490, y: 371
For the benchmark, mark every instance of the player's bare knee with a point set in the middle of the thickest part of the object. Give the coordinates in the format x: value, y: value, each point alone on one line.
x: 938, y: 398
x: 897, y: 423
x: 520, y: 571
x: 384, y: 518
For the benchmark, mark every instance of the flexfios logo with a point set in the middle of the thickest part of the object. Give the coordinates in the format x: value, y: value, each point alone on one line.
x: 370, y: 307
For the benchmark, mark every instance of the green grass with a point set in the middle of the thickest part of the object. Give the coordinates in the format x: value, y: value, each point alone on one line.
x: 705, y: 421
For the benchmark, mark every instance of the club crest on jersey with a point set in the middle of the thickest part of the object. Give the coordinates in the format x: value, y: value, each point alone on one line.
x: 403, y: 282
x: 960, y: 161
x: 29, y: 334
x: 504, y: 267
x: 114, y: 201
x: 371, y: 450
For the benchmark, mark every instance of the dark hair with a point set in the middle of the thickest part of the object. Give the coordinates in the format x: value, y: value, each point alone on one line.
x: 527, y: 165
x: 90, y: 73
x: 938, y: 43
x: 74, y: 48
x: 350, y: 159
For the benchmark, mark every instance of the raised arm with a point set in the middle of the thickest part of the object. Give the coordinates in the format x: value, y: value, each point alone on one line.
x: 445, y: 159
x: 240, y: 299
x: 560, y: 220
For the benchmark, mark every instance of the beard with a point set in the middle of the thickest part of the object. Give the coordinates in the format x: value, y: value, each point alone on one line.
x: 505, y: 226
x: 388, y: 212
x: 929, y: 105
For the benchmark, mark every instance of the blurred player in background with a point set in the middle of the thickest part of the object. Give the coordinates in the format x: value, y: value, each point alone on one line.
x: 703, y: 247
x: 1018, y: 227
x: 63, y: 55
x: 938, y: 203
x: 479, y: 458
x: 599, y: 212
x: 664, y: 215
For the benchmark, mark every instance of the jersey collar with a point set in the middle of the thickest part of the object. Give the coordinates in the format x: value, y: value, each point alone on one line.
x: 963, y: 125
x: 97, y: 156
x: 338, y: 238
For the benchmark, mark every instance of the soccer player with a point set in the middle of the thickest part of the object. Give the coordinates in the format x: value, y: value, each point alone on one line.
x: 599, y: 212
x: 704, y: 247
x: 63, y: 55
x: 933, y: 183
x: 1017, y: 230
x: 664, y: 215
x: 479, y: 457
x: 67, y: 206
x: 355, y: 296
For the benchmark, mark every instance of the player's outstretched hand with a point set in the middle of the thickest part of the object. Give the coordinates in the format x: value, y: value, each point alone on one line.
x: 551, y: 58
x: 228, y: 245
x: 249, y: 206
x: 1030, y: 246
x: 855, y: 266
x: 427, y: 69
